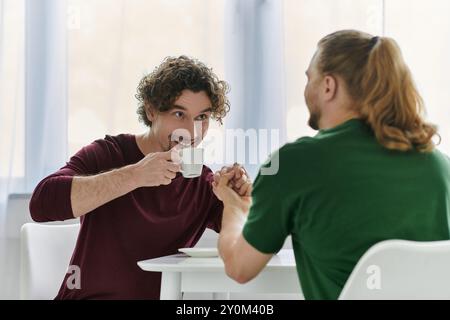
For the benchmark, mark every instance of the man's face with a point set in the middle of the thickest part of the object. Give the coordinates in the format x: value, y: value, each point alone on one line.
x: 185, y: 123
x: 312, y: 94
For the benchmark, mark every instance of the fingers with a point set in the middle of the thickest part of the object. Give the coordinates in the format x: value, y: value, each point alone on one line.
x: 249, y: 191
x: 170, y: 175
x: 224, y: 170
x: 239, y: 183
x: 167, y: 155
x: 240, y: 174
x: 241, y: 178
x: 166, y: 182
x: 238, y: 171
x: 215, y: 182
x: 245, y: 190
x: 237, y: 176
x: 225, y: 179
x: 173, y: 154
x: 219, y: 176
x: 173, y: 167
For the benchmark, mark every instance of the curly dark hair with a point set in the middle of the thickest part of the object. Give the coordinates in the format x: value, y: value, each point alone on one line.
x: 161, y: 88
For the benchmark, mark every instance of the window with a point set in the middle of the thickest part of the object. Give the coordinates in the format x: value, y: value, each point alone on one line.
x: 306, y: 22
x: 421, y: 28
x: 113, y: 43
x: 12, y: 119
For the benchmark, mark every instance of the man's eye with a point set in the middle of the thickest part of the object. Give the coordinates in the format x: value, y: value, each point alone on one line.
x: 178, y: 114
x: 203, y: 117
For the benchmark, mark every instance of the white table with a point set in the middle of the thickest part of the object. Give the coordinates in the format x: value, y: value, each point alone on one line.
x: 181, y: 273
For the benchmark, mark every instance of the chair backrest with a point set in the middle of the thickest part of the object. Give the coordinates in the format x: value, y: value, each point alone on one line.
x: 401, y: 270
x: 17, y: 214
x: 46, y: 251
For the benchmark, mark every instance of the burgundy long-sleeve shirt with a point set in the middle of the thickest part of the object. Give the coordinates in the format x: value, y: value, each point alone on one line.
x: 143, y: 224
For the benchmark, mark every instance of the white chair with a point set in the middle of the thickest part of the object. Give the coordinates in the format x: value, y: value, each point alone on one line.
x: 17, y: 214
x: 46, y: 251
x: 401, y: 270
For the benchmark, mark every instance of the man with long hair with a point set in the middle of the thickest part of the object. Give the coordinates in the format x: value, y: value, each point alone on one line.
x: 372, y: 173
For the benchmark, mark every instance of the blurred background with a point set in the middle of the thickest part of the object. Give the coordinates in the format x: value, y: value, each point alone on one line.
x: 69, y: 71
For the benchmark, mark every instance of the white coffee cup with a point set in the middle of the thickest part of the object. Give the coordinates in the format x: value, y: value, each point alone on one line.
x: 191, y: 162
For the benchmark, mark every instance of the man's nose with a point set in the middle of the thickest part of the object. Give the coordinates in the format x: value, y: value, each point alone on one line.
x: 195, y: 129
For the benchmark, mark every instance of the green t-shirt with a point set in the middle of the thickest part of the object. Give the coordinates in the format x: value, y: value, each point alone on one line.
x: 341, y: 192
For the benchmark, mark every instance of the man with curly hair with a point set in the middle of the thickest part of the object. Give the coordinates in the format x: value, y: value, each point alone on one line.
x: 128, y: 192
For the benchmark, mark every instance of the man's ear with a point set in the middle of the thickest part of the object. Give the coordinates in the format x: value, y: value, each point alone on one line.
x: 330, y: 87
x: 150, y: 112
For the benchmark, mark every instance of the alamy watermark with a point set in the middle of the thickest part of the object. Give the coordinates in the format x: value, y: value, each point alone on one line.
x: 246, y: 147
x: 374, y: 280
x: 73, y: 281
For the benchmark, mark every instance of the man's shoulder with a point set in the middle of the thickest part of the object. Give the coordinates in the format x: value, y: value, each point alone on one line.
x: 301, y: 144
x: 120, y: 139
x: 109, y: 148
x: 111, y: 143
x: 302, y: 148
x: 289, y: 158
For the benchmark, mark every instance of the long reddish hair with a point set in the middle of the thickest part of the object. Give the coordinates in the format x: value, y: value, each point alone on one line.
x: 381, y: 84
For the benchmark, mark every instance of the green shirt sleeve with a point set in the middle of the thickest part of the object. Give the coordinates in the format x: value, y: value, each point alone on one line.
x: 267, y: 225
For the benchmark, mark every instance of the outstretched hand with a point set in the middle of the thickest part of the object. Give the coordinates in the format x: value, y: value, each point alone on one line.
x: 239, y: 180
x: 225, y: 185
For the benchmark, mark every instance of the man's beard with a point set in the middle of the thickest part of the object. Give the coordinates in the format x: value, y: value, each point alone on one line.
x: 314, y: 118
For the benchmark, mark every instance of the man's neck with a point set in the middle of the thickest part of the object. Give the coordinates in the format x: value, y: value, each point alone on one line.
x: 148, y: 143
x: 335, y: 120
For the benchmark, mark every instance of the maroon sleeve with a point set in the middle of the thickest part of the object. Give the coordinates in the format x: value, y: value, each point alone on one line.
x: 51, y: 198
x: 215, y: 208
